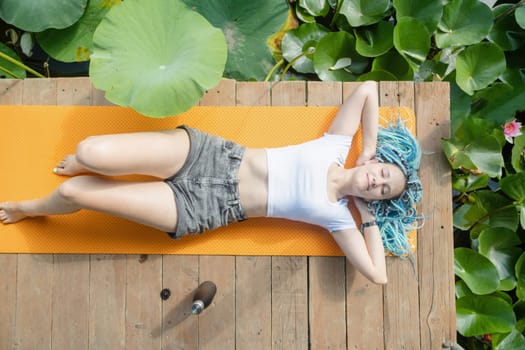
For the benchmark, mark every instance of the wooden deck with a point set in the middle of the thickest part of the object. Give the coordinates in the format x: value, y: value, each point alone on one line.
x: 112, y: 302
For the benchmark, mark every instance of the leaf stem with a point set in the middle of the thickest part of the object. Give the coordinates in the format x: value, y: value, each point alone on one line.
x: 495, y: 211
x: 20, y: 64
x: 509, y: 11
x: 274, y: 68
x: 290, y: 64
x: 7, y: 71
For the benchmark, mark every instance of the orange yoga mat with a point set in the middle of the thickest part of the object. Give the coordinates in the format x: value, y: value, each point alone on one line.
x: 34, y: 138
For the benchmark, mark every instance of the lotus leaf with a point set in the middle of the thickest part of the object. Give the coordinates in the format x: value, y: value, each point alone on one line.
x: 469, y: 182
x: 299, y: 44
x: 75, y: 43
x: 486, y: 209
x: 458, y: 29
x: 378, y: 75
x: 8, y: 69
x: 316, y: 8
x: 427, y: 12
x: 36, y: 16
x: 247, y: 25
x: 476, y: 271
x: 512, y: 340
x: 520, y: 275
x: 478, y: 66
x: 364, y: 12
x: 518, y: 156
x: 412, y: 40
x: 520, y: 16
x: 374, y: 40
x: 158, y: 67
x: 332, y: 48
x: 393, y: 63
x: 498, y: 102
x: 499, y: 245
x: 483, y: 314
x: 514, y: 186
x: 506, y: 32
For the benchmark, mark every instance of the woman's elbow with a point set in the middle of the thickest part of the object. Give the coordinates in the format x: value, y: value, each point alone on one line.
x: 379, y: 279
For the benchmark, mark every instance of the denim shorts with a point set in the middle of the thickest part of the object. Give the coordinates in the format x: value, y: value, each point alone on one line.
x: 206, y: 188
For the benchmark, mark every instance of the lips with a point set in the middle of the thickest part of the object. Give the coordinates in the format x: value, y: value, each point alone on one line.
x: 367, y: 182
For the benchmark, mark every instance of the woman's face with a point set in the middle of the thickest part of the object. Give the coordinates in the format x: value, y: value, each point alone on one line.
x: 379, y: 180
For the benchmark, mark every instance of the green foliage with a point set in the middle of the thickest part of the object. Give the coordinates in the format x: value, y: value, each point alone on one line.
x: 161, y: 75
x: 36, y: 16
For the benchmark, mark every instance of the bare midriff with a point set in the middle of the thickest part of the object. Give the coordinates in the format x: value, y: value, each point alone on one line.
x: 253, y: 182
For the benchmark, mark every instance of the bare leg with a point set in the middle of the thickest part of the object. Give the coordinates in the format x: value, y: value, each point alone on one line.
x: 156, y: 153
x: 148, y: 203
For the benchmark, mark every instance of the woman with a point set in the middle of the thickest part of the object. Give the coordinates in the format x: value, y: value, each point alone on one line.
x: 209, y: 182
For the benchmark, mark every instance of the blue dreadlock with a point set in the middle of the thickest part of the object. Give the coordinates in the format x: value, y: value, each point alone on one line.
x: 396, y: 217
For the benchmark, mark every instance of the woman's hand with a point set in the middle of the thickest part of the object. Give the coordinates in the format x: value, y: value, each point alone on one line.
x: 362, y: 207
x: 364, y: 157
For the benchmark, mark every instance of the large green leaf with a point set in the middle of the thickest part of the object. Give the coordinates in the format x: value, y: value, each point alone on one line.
x: 39, y: 15
x: 472, y: 148
x: 487, y: 209
x: 248, y: 26
x: 508, y: 341
x: 393, y: 63
x: 498, y: 102
x: 499, y: 245
x: 156, y: 56
x: 478, y: 66
x: 299, y: 45
x: 364, y: 12
x: 520, y: 275
x: 316, y: 8
x: 374, y: 40
x: 412, y: 40
x: 514, y: 186
x: 334, y: 49
x: 520, y: 16
x: 483, y: 314
x: 506, y: 33
x: 75, y: 43
x: 476, y: 271
x: 518, y: 153
x: 427, y: 12
x: 8, y: 69
x: 464, y: 22
x: 470, y: 182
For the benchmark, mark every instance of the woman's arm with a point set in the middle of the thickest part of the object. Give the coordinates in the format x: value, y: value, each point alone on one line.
x: 361, y: 107
x: 365, y: 252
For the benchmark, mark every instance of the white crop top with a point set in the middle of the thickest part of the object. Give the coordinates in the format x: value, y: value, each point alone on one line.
x: 297, y: 182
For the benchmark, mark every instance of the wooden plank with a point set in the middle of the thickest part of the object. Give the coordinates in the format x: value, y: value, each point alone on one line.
x: 289, y: 273
x: 11, y: 92
x: 74, y: 91
x: 33, y: 312
x: 364, y: 299
x: 35, y: 272
x: 253, y: 288
x: 401, y: 312
x: 8, y: 291
x: 288, y: 93
x: 143, y: 302
x: 180, y: 329
x: 40, y: 92
x: 71, y: 276
x: 107, y: 297
x: 435, y: 244
x: 327, y: 297
x: 217, y: 323
x: 70, y: 302
x: 289, y: 303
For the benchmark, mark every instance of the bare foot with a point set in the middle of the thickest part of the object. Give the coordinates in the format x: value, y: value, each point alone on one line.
x: 69, y: 167
x: 11, y: 213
